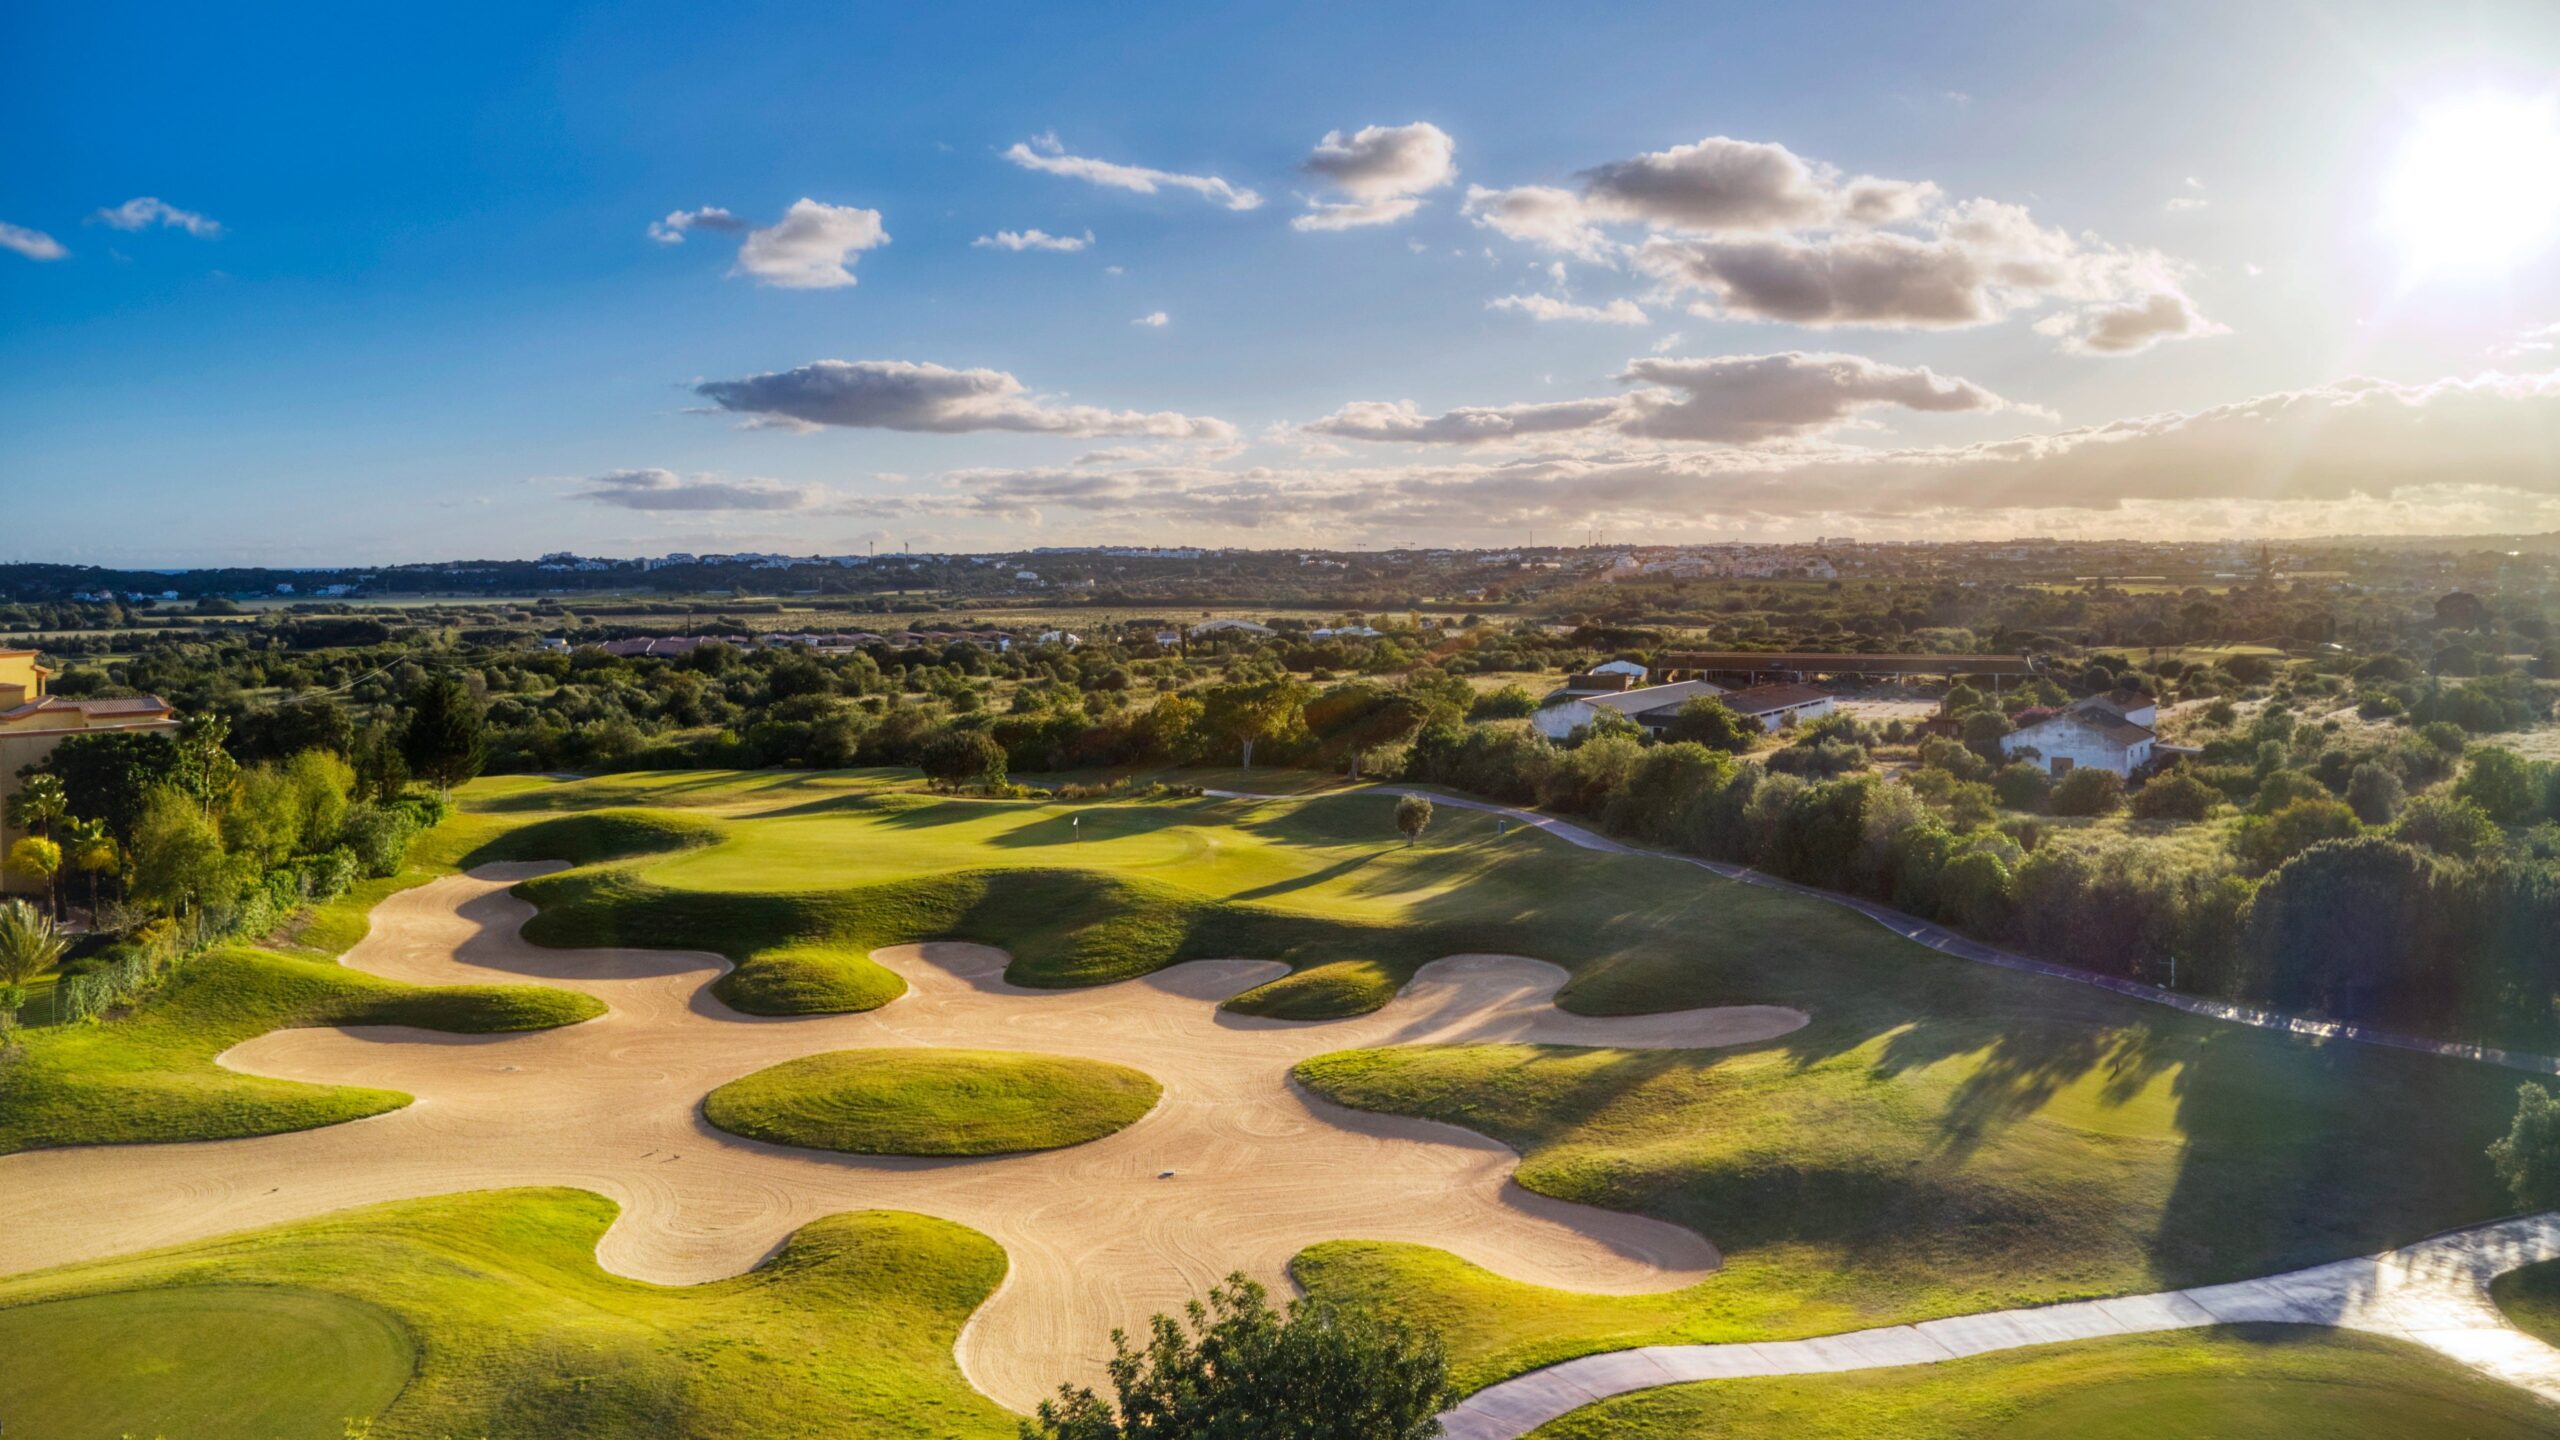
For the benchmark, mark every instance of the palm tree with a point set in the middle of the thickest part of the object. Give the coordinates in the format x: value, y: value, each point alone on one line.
x: 37, y: 858
x: 40, y: 804
x: 30, y: 943
x: 90, y: 847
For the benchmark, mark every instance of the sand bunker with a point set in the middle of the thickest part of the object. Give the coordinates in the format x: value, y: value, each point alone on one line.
x: 1096, y: 1237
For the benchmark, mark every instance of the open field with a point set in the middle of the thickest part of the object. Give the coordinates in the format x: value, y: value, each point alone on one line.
x: 1935, y: 1138
x: 2531, y: 1299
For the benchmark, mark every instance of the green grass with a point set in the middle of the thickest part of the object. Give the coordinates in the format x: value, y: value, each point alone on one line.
x: 520, y: 1336
x: 933, y: 1102
x: 2238, y: 1383
x: 2531, y: 1299
x: 151, y: 1076
x: 203, y: 1362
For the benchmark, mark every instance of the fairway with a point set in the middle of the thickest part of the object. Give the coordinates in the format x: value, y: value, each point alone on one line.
x: 213, y: 1362
x: 1074, y: 1028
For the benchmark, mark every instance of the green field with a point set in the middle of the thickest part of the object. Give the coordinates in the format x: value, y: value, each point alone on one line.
x: 2240, y: 1383
x: 932, y: 1102
x: 1942, y: 1138
x: 517, y: 1334
x: 2531, y: 1299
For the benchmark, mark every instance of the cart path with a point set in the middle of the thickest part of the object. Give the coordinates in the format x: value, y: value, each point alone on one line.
x: 2434, y: 1293
x: 1095, y: 1238
x: 1963, y: 947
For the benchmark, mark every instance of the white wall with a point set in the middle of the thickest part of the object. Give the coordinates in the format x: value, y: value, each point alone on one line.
x: 2083, y: 747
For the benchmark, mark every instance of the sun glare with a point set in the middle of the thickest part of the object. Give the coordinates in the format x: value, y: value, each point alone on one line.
x: 2476, y: 185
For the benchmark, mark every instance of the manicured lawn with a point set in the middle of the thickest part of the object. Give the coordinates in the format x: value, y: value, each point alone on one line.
x: 2242, y: 1383
x: 2531, y: 1299
x: 933, y: 1102
x: 1943, y: 1138
x: 519, y: 1336
x: 207, y: 1362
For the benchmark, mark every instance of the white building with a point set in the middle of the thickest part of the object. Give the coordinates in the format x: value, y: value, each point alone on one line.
x: 1651, y: 707
x: 2096, y: 733
x: 1621, y: 667
x: 1778, y: 706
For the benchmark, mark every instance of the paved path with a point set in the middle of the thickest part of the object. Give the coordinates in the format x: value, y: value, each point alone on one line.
x: 2434, y: 1293
x: 1948, y: 942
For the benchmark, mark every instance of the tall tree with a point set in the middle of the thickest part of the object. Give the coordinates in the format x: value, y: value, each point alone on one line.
x: 1248, y: 712
x: 89, y: 847
x: 447, y: 737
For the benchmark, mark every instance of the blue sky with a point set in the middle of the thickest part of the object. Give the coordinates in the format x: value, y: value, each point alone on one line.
x: 400, y: 299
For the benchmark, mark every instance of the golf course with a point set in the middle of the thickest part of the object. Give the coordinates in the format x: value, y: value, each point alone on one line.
x: 792, y: 1102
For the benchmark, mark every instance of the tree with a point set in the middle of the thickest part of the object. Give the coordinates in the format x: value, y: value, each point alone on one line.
x: 30, y: 944
x: 205, y: 768
x: 1413, y: 816
x: 2446, y: 825
x: 963, y: 757
x: 2501, y: 784
x: 2527, y: 1157
x: 447, y: 738
x: 1708, y: 721
x: 40, y: 804
x: 1348, y: 721
x: 2343, y: 927
x: 1248, y: 712
x: 2375, y: 794
x: 110, y: 776
x: 178, y: 858
x: 2175, y: 795
x: 38, y: 859
x: 1243, y: 1370
x: 90, y: 848
x: 2020, y: 786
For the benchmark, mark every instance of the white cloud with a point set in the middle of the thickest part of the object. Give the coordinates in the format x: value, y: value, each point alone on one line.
x: 2358, y: 456
x: 144, y: 211
x: 1384, y: 169
x: 906, y: 395
x: 1765, y: 234
x: 34, y: 244
x: 671, y: 231
x: 658, y: 489
x: 1044, y: 153
x: 1153, y: 320
x: 812, y: 247
x: 2183, y: 204
x: 1020, y: 240
x: 1727, y: 400
x: 1548, y: 307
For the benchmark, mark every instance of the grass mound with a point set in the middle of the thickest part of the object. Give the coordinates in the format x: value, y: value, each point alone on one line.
x: 2240, y: 1383
x: 208, y: 1362
x: 2530, y: 1297
x: 933, y: 1102
x: 151, y: 1076
x: 595, y: 836
x: 846, y: 1331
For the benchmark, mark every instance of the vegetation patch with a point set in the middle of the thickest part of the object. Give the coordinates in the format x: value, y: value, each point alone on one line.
x: 933, y: 1102
x: 207, y: 1362
x: 594, y: 836
x: 517, y: 1332
x: 2530, y: 1299
x: 2236, y: 1383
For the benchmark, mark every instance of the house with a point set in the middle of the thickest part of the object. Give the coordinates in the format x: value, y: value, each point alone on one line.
x: 1621, y: 667
x: 1595, y: 683
x: 2084, y: 735
x: 1651, y: 707
x: 2131, y: 706
x: 1223, y: 627
x: 1778, y: 706
x: 32, y: 722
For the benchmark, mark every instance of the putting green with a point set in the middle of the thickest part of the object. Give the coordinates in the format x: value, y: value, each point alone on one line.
x: 219, y: 1362
x: 933, y: 1102
x: 2235, y: 1383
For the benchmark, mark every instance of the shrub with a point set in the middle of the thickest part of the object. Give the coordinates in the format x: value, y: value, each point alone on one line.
x: 2086, y: 791
x: 1413, y: 816
x: 2375, y: 794
x: 963, y: 757
x: 2527, y: 1157
x: 2020, y: 786
x: 2447, y: 825
x: 377, y: 837
x: 2175, y: 795
x: 2264, y: 842
x: 1708, y: 721
x: 2501, y: 784
x: 1511, y: 702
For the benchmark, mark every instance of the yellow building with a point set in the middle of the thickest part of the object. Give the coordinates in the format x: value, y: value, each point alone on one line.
x: 32, y: 722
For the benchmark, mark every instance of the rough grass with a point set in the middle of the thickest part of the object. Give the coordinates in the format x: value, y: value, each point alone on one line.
x: 520, y: 1336
x: 933, y: 1102
x: 2239, y: 1383
x: 2531, y: 1299
x: 593, y: 836
x: 207, y: 1362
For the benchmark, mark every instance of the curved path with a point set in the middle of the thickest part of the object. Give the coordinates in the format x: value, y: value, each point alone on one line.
x: 1964, y: 947
x: 1097, y: 1236
x: 2434, y: 1293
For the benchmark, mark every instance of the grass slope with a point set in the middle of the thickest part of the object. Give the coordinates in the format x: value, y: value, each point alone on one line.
x: 206, y: 1362
x: 933, y: 1102
x: 2242, y: 1383
x: 2531, y: 1299
x: 519, y: 1336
